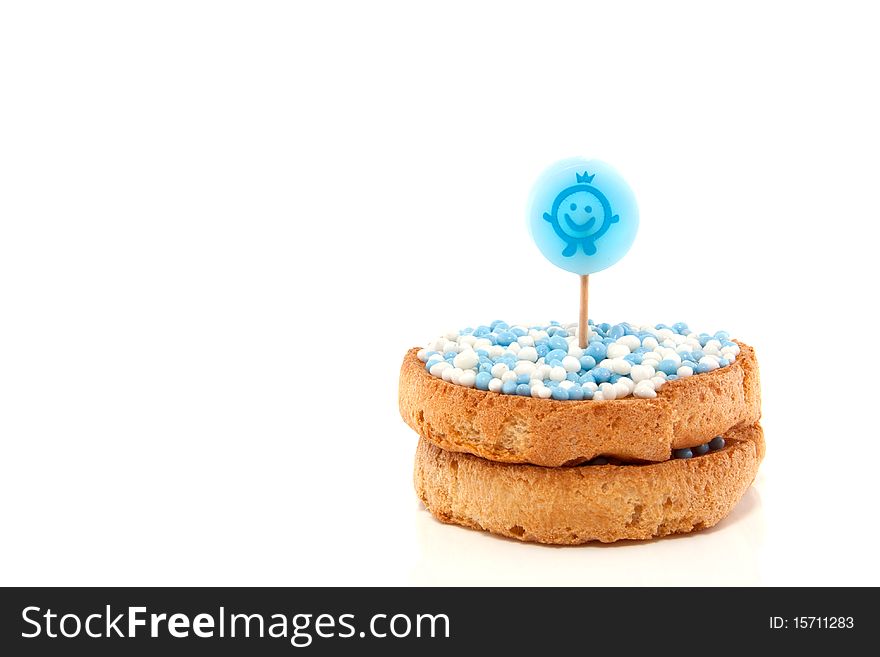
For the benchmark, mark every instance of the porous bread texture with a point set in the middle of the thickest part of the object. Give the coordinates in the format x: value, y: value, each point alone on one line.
x: 512, y: 429
x: 579, y: 504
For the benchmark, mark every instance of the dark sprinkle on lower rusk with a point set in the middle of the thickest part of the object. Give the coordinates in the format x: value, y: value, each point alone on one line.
x: 713, y: 445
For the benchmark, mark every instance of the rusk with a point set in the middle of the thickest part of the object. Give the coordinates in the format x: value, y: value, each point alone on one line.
x: 514, y: 429
x: 578, y: 504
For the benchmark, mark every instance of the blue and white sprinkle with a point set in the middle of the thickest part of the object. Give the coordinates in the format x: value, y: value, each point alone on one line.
x: 546, y: 361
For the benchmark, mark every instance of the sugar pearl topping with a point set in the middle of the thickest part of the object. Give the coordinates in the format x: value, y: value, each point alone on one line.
x: 546, y: 362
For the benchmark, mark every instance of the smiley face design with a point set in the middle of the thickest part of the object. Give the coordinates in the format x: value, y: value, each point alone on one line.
x: 580, y: 215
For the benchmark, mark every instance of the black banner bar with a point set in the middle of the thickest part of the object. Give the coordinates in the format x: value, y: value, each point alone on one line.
x: 333, y: 621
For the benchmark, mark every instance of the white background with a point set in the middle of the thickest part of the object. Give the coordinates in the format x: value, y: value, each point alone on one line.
x: 223, y: 224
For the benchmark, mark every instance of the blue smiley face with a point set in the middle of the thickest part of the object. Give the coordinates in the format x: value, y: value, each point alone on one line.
x: 580, y: 215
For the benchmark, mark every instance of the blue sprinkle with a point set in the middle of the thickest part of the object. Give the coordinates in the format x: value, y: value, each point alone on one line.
x: 554, y: 323
x: 562, y: 333
x: 560, y: 394
x: 480, y: 331
x: 588, y: 394
x: 701, y: 368
x: 722, y: 335
x: 728, y: 343
x: 597, y: 350
x: 604, y: 327
x: 614, y: 378
x: 498, y: 325
x: 576, y: 393
x: 522, y: 378
x: 685, y: 453
x: 572, y: 376
x: 679, y: 327
x: 523, y: 390
x: 550, y: 383
x: 704, y: 338
x: 690, y: 364
x: 431, y: 362
x: 586, y: 378
x: 723, y: 362
x: 508, y: 387
x: 628, y: 329
x: 553, y: 362
x: 505, y: 338
x: 617, y: 331
x: 660, y: 326
x: 672, y: 377
x: 699, y: 450
x: 697, y: 355
x: 607, y: 341
x: 543, y: 341
x: 587, y: 362
x: 518, y: 332
x: 483, y: 379
x: 635, y: 359
x: 555, y: 354
x: 558, y: 343
x: 542, y: 350
x: 601, y: 374
x: 449, y: 355
x: 716, y: 443
x: 491, y: 337
x: 667, y: 366
x: 486, y: 367
x: 466, y: 331
x: 482, y: 353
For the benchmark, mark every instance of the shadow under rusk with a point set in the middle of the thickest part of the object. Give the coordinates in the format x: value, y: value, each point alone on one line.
x: 726, y: 554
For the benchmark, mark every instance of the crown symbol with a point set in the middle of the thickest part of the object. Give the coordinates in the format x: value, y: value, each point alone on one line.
x: 585, y: 177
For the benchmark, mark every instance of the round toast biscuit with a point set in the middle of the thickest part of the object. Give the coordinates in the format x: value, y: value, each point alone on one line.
x: 578, y: 504
x: 512, y: 429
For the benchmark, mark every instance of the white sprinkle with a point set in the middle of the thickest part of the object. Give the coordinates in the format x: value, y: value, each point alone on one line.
x: 508, y: 376
x: 525, y: 367
x: 575, y: 350
x: 467, y: 340
x: 647, y: 383
x: 623, y: 387
x: 451, y: 334
x: 641, y: 372
x: 571, y: 364
x: 498, y: 370
x: 665, y: 333
x: 544, y: 371
x: 437, y: 368
x: 446, y: 374
x: 526, y: 341
x: 467, y: 379
x: 558, y: 373
x: 712, y: 344
x: 607, y: 391
x: 422, y: 355
x: 565, y: 385
x: 709, y: 361
x: 466, y: 359
x: 543, y: 392
x: 495, y: 385
x: 592, y: 386
x: 684, y: 370
x: 617, y: 350
x: 620, y: 366
x: 482, y: 343
x: 644, y: 391
x: 528, y: 353
x: 631, y: 341
x: 495, y: 351
x: 658, y: 381
x: 650, y: 343
x: 597, y: 396
x: 514, y: 348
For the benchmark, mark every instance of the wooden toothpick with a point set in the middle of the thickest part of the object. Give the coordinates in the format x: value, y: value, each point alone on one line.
x: 583, y: 329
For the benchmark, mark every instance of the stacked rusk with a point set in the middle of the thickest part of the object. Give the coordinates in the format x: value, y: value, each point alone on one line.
x: 569, y: 472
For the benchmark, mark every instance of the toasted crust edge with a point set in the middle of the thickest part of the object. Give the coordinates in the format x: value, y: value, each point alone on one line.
x: 579, y: 504
x: 512, y: 429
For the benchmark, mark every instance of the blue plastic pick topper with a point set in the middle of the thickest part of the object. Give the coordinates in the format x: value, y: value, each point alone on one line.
x: 582, y: 215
